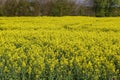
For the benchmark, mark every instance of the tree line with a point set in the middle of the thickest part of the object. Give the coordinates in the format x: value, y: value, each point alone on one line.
x: 99, y: 8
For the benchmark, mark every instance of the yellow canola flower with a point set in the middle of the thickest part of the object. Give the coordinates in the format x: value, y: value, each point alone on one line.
x: 29, y: 70
x: 23, y: 64
x: 6, y: 69
x: 66, y: 47
x: 1, y: 64
x: 18, y: 70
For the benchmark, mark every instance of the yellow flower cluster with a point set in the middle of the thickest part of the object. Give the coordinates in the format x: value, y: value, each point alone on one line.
x: 59, y: 48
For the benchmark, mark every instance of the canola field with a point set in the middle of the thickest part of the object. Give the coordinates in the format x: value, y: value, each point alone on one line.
x: 59, y: 48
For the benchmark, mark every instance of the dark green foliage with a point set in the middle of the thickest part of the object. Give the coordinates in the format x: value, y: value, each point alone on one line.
x: 61, y: 7
x: 9, y: 8
x: 100, y: 8
x: 21, y: 8
x: 1, y: 13
x: 105, y: 7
